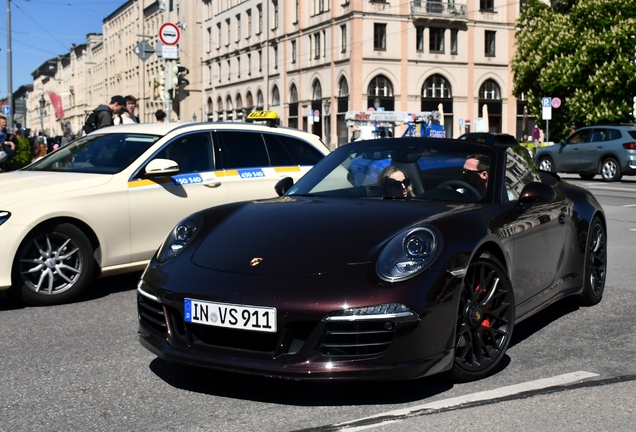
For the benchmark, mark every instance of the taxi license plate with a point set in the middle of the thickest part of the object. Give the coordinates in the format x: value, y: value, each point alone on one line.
x: 240, y: 317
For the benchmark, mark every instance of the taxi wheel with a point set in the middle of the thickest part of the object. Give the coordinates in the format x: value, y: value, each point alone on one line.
x: 53, y: 265
x: 485, y: 320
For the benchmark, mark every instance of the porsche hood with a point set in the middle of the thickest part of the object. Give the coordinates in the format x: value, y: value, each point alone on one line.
x: 298, y: 235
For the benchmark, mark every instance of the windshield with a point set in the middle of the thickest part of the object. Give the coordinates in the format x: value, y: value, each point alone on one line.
x: 404, y: 168
x: 105, y: 154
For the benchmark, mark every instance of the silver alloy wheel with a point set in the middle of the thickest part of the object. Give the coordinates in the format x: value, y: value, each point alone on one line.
x: 545, y: 164
x: 52, y: 264
x: 609, y: 169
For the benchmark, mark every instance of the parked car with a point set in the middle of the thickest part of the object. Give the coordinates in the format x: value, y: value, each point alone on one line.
x: 608, y: 150
x: 489, y: 138
x: 103, y: 203
x: 341, y: 280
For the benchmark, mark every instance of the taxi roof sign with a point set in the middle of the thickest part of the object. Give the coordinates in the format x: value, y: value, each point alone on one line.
x: 269, y: 117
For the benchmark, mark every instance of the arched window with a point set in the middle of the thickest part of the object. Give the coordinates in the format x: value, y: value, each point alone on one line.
x: 490, y: 90
x: 249, y: 101
x: 317, y: 91
x: 259, y: 100
x: 219, y: 109
x: 239, y: 108
x: 437, y: 95
x: 380, y: 93
x: 436, y: 87
x: 275, y: 96
x: 343, y: 87
x: 293, y: 107
x: 229, y: 109
x: 210, y: 109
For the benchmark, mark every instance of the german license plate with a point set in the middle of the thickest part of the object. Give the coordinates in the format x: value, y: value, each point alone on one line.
x: 241, y: 317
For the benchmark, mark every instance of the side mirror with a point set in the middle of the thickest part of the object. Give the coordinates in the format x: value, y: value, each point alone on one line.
x: 536, y: 192
x: 161, y: 167
x: 283, y: 185
x: 562, y: 142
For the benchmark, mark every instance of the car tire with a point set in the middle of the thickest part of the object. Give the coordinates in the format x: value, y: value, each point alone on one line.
x: 587, y: 176
x: 595, y: 269
x: 610, y: 170
x: 53, y: 265
x: 485, y: 320
x: 546, y: 164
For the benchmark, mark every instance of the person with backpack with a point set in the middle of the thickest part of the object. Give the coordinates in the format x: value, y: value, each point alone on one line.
x: 102, y: 116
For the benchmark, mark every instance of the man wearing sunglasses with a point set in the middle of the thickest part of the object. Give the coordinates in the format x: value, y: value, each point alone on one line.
x: 475, y: 173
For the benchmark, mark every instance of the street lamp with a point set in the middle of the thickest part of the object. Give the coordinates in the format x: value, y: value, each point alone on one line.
x: 42, y: 104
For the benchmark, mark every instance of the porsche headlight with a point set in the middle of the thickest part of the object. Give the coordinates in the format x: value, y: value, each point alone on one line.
x: 408, y: 254
x: 179, y: 238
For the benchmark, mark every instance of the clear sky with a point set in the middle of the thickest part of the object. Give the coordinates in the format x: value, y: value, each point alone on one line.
x: 43, y: 29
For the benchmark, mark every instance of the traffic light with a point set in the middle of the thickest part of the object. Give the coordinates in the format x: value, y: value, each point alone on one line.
x: 161, y: 89
x: 172, y: 80
x: 182, y: 71
x: 154, y: 88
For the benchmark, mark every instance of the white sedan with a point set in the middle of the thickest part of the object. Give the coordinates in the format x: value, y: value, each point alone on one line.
x: 103, y: 204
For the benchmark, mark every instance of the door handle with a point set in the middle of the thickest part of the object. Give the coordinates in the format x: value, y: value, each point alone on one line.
x: 212, y: 184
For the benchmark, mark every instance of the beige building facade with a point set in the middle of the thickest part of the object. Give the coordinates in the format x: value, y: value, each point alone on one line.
x: 310, y: 60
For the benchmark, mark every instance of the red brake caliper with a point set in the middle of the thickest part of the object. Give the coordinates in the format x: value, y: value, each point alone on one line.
x: 486, y: 321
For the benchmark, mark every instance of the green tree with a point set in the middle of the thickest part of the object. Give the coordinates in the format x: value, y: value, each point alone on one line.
x: 23, y: 154
x: 581, y: 51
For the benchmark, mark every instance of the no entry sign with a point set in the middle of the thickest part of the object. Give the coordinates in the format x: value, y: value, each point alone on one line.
x: 169, y: 34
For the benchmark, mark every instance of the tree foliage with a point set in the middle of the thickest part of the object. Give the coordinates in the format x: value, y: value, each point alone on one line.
x: 581, y: 51
x: 23, y: 154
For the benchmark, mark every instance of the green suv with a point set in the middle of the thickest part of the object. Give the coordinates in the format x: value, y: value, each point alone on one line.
x: 606, y: 150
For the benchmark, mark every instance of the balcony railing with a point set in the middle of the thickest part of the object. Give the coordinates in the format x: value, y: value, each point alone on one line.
x: 444, y: 9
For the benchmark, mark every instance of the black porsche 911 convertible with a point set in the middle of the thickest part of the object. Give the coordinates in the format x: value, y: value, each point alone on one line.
x: 390, y: 259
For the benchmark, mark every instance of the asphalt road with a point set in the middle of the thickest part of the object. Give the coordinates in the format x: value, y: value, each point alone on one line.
x: 80, y: 367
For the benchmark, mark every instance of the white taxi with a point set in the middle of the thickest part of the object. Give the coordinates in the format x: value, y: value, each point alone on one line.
x: 103, y: 204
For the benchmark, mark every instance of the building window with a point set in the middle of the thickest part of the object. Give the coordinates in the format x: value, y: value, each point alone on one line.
x: 489, y: 90
x: 218, y: 35
x: 227, y: 25
x: 297, y: 16
x: 209, y: 77
x: 229, y: 70
x: 275, y: 48
x: 436, y: 40
x: 293, y: 52
x: 490, y: 43
x: 316, y: 45
x: 275, y: 96
x: 275, y: 4
x: 487, y: 5
x: 238, y: 67
x: 419, y: 39
x: 249, y: 24
x: 219, y: 67
x: 209, y: 39
x: 454, y: 33
x: 260, y: 60
x: 238, y: 27
x: 321, y: 6
x: 379, y: 37
x: 436, y: 87
x: 249, y: 64
x: 343, y: 38
x: 260, y: 19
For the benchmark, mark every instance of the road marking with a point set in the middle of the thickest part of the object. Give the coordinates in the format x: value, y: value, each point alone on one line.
x: 544, y: 383
x: 630, y: 205
x: 610, y: 188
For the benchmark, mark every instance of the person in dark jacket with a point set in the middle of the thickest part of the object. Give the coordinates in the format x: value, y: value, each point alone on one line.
x: 105, y: 113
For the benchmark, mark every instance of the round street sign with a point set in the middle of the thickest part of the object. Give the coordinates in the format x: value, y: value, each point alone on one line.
x: 169, y: 34
x: 556, y: 102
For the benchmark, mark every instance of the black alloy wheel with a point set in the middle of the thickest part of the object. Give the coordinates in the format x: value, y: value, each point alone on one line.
x: 485, y: 320
x: 53, y: 266
x: 595, y: 264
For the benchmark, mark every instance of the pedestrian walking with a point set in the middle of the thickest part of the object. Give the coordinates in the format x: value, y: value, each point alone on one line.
x: 128, y: 116
x: 102, y: 116
x: 160, y: 115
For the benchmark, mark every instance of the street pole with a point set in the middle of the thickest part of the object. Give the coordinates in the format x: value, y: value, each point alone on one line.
x: 168, y: 104
x: 9, y: 68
